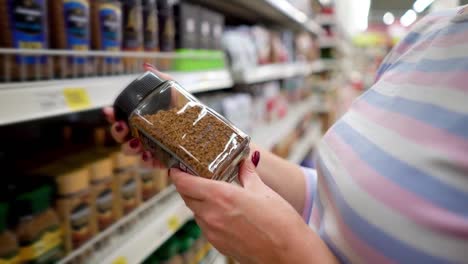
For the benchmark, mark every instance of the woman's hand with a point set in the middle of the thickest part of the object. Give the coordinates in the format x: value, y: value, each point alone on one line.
x: 251, y: 223
x: 121, y: 132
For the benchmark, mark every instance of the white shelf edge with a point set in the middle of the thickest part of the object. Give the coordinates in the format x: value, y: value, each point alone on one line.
x: 141, y: 243
x: 306, y: 143
x: 296, y: 15
x: 277, y: 71
x: 34, y: 100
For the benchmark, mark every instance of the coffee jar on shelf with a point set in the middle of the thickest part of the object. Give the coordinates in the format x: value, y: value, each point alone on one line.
x: 179, y: 130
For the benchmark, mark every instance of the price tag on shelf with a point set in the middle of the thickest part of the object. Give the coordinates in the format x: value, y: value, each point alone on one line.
x: 173, y: 223
x: 76, y: 98
x: 120, y: 260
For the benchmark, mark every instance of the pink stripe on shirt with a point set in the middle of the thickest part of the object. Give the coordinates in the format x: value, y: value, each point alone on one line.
x: 446, y: 80
x: 353, y: 241
x: 387, y: 192
x: 454, y: 146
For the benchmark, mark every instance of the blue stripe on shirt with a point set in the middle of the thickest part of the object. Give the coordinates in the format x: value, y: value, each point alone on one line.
x: 429, y: 65
x: 437, y: 116
x: 404, y: 175
x: 373, y: 236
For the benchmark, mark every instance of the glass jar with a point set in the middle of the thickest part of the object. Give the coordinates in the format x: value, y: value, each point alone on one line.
x: 179, y: 130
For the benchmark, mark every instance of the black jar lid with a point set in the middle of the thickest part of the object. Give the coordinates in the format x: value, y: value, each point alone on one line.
x: 129, y: 99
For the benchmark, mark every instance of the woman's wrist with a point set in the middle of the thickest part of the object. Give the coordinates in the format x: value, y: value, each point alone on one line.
x: 301, y: 243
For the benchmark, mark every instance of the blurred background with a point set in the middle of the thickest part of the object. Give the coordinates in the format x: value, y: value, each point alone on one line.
x: 281, y: 70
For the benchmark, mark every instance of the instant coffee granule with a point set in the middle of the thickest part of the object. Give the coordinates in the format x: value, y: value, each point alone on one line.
x: 203, y: 141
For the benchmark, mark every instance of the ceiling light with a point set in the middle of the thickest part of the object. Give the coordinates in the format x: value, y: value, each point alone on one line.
x: 388, y: 18
x: 362, y: 15
x: 408, y: 18
x: 421, y: 5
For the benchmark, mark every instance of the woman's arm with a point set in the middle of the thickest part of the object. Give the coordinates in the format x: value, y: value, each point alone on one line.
x: 284, y: 177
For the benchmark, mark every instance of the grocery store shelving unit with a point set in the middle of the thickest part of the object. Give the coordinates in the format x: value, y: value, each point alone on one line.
x: 278, y: 12
x: 43, y: 99
x: 137, y: 235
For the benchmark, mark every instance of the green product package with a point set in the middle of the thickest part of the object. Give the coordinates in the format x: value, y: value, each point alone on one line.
x: 216, y: 60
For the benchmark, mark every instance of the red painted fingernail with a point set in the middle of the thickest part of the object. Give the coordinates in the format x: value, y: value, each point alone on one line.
x: 119, y: 127
x: 145, y: 156
x: 148, y: 65
x: 134, y: 143
x: 256, y: 158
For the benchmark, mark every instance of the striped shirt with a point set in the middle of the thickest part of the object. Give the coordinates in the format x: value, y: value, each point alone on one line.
x: 391, y: 184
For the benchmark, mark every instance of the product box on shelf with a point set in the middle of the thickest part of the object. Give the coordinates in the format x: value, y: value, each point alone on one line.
x: 150, y: 25
x: 106, y: 28
x: 132, y: 26
x: 70, y: 29
x: 217, y: 22
x: 167, y: 30
x: 24, y: 25
x: 126, y: 183
x: 74, y: 204
x: 187, y: 18
x: 206, y: 26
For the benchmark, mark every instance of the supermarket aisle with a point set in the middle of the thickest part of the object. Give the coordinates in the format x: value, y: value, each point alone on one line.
x: 69, y: 194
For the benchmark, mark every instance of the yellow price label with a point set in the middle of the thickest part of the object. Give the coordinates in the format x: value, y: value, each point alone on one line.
x: 76, y: 98
x: 120, y: 260
x: 173, y: 223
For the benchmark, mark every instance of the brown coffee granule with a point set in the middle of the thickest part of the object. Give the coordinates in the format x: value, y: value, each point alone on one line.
x: 201, y: 140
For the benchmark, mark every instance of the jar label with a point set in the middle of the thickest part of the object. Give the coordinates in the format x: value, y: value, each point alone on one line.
x: 28, y: 26
x: 80, y: 224
x: 104, y: 204
x: 150, y: 25
x: 46, y: 249
x: 132, y: 24
x: 129, y: 189
x: 76, y: 14
x: 110, y: 18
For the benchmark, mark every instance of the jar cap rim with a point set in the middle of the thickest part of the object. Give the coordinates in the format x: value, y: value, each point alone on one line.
x: 130, y: 97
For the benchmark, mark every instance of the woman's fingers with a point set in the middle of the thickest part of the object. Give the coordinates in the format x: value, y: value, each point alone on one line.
x: 132, y: 147
x: 109, y: 114
x: 194, y: 187
x: 195, y: 205
x: 119, y: 131
x: 151, y: 68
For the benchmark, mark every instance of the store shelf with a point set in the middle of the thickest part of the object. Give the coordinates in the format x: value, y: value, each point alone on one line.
x: 276, y: 72
x: 277, y: 12
x: 304, y: 145
x: 138, y: 234
x: 267, y: 135
x: 26, y: 101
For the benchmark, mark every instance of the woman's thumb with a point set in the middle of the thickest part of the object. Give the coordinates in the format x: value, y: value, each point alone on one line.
x: 248, y: 177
